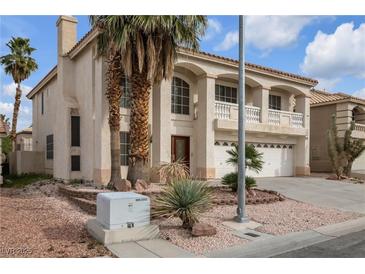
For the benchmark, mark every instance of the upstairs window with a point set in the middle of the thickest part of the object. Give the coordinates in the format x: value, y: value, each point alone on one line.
x: 225, y: 94
x: 180, y: 95
x: 75, y: 131
x: 42, y: 103
x: 126, y: 91
x: 274, y: 102
x: 124, y: 148
x: 49, y: 147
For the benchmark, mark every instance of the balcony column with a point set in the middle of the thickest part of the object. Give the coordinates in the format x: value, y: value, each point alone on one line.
x: 205, y: 127
x: 261, y: 99
x: 302, y: 167
x: 161, y: 125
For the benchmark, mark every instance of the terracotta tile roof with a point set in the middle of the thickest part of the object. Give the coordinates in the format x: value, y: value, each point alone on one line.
x: 3, y: 127
x: 80, y: 43
x: 27, y: 130
x: 324, y: 97
x: 252, y: 66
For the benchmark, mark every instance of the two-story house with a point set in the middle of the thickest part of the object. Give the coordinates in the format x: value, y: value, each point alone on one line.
x: 346, y: 108
x: 192, y: 116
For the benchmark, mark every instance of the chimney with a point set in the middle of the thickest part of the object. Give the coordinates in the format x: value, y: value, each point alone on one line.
x: 67, y: 33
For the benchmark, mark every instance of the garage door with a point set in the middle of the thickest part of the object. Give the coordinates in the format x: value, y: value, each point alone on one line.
x: 278, y: 159
x: 359, y: 162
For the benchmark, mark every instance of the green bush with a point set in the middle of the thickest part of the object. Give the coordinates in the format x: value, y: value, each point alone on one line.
x: 231, y: 180
x: 185, y: 199
x: 22, y: 180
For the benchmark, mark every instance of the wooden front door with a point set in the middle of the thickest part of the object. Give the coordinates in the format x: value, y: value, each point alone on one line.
x: 180, y: 149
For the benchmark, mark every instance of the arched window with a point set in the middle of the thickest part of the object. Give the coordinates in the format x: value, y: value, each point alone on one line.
x: 180, y: 96
x: 126, y: 90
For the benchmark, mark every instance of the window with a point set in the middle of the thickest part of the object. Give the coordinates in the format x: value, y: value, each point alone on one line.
x: 274, y: 102
x: 27, y: 144
x: 42, y: 103
x: 180, y: 96
x: 126, y: 91
x: 49, y: 146
x: 75, y: 131
x: 75, y: 163
x: 124, y: 148
x: 225, y: 94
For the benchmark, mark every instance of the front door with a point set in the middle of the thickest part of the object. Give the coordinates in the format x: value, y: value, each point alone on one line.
x: 180, y: 149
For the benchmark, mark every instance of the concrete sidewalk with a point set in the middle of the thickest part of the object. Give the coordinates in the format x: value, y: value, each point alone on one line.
x: 269, y: 247
x: 156, y: 248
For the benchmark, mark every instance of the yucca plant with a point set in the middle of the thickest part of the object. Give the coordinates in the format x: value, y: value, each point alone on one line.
x: 231, y: 180
x: 185, y: 199
x: 173, y: 171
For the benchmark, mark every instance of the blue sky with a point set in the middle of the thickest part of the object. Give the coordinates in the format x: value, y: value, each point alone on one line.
x: 328, y: 48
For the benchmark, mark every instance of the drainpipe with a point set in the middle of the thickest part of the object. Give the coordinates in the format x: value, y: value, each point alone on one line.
x: 241, y: 207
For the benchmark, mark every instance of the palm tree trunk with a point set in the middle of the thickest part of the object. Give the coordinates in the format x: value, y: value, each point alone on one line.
x: 139, y: 135
x: 18, y: 95
x: 114, y: 93
x: 348, y: 168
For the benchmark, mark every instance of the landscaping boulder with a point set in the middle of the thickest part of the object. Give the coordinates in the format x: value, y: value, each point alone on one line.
x: 123, y: 185
x: 140, y: 185
x: 201, y: 229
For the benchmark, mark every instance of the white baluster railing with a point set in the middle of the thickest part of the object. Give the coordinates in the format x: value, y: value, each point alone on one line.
x: 297, y: 120
x: 274, y: 117
x: 222, y: 111
x: 252, y: 114
x: 360, y: 127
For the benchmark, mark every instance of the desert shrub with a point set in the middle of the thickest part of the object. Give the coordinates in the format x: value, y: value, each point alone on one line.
x: 231, y: 180
x: 250, y: 182
x: 185, y: 199
x: 174, y: 171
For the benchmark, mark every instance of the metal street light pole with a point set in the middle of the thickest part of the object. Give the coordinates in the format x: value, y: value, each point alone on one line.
x: 241, y: 214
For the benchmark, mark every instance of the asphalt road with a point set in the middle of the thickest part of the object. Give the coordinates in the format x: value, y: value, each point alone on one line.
x: 348, y: 246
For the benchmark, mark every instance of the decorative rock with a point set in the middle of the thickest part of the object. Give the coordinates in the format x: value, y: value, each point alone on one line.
x: 140, y: 185
x: 201, y: 229
x: 123, y: 185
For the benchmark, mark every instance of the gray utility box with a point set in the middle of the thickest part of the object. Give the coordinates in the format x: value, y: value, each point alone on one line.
x: 115, y: 210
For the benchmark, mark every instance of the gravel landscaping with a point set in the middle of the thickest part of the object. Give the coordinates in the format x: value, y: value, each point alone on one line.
x: 36, y: 222
x: 276, y: 218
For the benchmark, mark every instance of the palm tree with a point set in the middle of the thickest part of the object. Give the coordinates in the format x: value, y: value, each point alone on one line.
x: 253, y: 157
x: 147, y: 47
x: 19, y: 64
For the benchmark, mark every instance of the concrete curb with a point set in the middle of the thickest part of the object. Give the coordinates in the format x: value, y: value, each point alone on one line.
x: 269, y: 247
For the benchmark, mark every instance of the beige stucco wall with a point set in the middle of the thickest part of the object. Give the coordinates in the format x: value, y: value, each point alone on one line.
x: 80, y: 89
x: 26, y: 162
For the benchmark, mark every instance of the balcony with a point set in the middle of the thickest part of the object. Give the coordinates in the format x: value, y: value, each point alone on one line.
x: 278, y: 122
x: 359, y: 131
x: 227, y: 111
x: 286, y: 118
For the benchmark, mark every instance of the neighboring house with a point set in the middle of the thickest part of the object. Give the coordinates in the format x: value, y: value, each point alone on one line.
x: 347, y: 108
x: 3, y: 133
x: 193, y: 116
x: 23, y: 141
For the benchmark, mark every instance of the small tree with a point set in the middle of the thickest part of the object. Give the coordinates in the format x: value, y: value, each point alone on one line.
x: 353, y: 149
x: 343, y: 155
x: 253, y: 157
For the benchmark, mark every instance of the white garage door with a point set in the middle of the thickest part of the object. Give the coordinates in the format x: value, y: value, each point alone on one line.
x: 278, y: 160
x: 359, y: 162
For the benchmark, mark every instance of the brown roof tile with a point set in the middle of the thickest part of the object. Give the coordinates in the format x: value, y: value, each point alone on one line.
x: 324, y: 97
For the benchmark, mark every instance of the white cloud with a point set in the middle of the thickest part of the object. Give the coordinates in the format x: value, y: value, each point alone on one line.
x: 268, y: 32
x: 214, y: 28
x: 10, y: 90
x: 360, y: 93
x: 327, y: 84
x: 230, y: 40
x: 336, y: 55
x: 24, y: 118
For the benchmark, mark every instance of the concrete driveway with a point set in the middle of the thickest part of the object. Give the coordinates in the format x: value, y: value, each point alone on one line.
x: 319, y: 191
